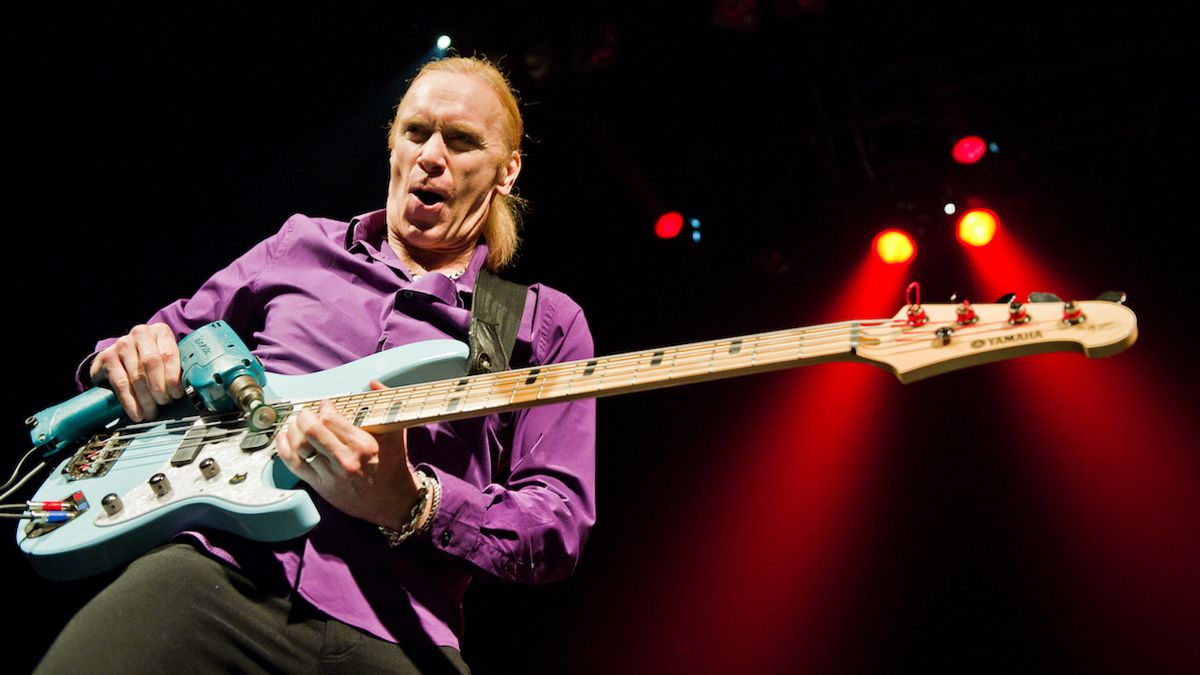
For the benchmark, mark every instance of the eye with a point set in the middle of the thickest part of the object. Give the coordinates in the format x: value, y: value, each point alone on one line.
x: 416, y: 133
x: 458, y: 140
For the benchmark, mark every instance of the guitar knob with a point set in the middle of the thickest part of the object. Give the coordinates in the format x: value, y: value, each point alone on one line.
x: 159, y: 484
x: 112, y: 504
x: 209, y: 468
x: 945, y: 334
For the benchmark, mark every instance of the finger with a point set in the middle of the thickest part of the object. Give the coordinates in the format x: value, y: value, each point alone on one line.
x: 130, y: 360
x: 292, y: 459
x: 363, y: 444
x: 118, y: 379
x: 395, y: 442
x: 322, y: 439
x: 169, y: 348
x: 152, y: 363
x: 311, y: 454
x: 351, y: 445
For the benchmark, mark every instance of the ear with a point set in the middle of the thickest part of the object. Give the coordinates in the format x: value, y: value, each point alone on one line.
x: 507, y: 175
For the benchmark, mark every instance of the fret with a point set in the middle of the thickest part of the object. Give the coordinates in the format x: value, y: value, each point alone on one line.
x: 393, y: 411
x: 621, y: 373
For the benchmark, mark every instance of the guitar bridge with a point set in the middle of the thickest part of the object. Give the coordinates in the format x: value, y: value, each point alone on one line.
x: 96, y: 457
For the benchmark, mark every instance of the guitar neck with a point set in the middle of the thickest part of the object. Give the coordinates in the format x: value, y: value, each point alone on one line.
x: 478, y: 395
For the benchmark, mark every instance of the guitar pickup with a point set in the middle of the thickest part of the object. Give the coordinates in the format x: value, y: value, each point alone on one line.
x: 210, y: 430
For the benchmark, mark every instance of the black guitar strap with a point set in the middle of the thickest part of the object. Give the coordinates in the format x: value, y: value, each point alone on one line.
x: 496, y: 309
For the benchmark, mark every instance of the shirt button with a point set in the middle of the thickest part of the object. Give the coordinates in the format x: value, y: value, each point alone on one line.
x: 446, y: 537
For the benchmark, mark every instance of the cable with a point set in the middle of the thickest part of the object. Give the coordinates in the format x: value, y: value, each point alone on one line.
x: 17, y: 470
x: 33, y: 472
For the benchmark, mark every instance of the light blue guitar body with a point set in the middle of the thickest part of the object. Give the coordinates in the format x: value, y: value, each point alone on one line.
x: 252, y: 494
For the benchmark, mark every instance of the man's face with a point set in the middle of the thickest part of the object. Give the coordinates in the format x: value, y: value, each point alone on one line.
x: 448, y: 162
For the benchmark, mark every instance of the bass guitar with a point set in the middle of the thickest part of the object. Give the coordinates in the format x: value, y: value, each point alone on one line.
x: 130, y: 487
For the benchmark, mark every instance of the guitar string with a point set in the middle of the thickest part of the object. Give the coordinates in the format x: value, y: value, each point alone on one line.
x: 424, y: 392
x: 359, y: 401
x: 425, y: 389
x: 629, y: 363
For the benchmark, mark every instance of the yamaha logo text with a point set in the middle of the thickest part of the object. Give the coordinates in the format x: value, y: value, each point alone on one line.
x: 1007, y: 339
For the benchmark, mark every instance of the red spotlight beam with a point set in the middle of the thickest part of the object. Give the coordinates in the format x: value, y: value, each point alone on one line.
x: 776, y: 595
x: 1118, y: 483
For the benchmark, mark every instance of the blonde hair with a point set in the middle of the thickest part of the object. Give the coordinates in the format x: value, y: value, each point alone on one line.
x: 502, y: 228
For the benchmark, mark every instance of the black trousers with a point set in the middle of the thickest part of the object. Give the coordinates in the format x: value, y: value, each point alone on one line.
x: 178, y: 610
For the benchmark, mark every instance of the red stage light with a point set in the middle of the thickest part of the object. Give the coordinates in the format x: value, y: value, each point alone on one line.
x: 977, y: 227
x: 894, y: 247
x: 969, y: 150
x: 669, y: 225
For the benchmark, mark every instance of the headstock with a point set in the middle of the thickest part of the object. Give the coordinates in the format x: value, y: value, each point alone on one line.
x: 926, y: 340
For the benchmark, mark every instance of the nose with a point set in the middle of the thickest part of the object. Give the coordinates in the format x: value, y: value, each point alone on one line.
x: 432, y: 159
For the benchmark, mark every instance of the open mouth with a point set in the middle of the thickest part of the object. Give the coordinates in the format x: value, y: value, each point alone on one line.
x: 429, y: 198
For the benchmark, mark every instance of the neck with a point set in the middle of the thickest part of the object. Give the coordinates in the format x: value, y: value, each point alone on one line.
x: 421, y: 261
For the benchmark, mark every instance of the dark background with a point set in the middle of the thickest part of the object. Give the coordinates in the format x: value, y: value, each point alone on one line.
x: 147, y: 148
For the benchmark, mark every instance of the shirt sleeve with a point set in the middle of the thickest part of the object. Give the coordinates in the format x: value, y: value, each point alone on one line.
x: 531, y: 528
x: 228, y: 295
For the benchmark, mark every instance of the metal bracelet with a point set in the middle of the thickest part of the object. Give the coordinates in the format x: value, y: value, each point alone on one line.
x: 433, y: 508
x: 397, y: 537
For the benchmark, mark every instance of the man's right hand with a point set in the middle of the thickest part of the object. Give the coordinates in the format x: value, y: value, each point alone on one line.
x: 143, y: 370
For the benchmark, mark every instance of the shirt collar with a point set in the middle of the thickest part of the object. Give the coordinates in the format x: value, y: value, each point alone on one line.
x: 368, y: 233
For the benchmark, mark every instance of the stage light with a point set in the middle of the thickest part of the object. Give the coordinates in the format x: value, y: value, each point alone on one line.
x: 895, y: 247
x: 969, y: 150
x: 994, y: 147
x: 977, y: 227
x: 950, y: 208
x: 443, y: 42
x: 696, y: 236
x: 669, y: 225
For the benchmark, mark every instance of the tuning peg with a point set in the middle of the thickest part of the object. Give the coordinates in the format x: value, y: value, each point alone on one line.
x: 1073, y: 314
x: 1006, y: 298
x: 965, y: 314
x: 1044, y: 297
x: 1112, y: 296
x: 1017, y: 314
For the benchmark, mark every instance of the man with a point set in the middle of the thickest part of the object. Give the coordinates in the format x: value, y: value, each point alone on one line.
x: 406, y: 519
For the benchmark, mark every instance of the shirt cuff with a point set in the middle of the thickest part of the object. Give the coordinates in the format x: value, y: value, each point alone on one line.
x: 83, y: 378
x: 458, y: 524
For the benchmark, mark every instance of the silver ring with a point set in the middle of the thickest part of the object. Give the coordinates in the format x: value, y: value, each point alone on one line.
x: 311, y: 458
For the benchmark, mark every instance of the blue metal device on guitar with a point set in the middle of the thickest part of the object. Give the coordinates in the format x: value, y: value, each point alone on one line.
x: 131, y: 486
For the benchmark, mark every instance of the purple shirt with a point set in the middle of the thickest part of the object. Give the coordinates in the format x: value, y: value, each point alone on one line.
x: 518, y: 495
